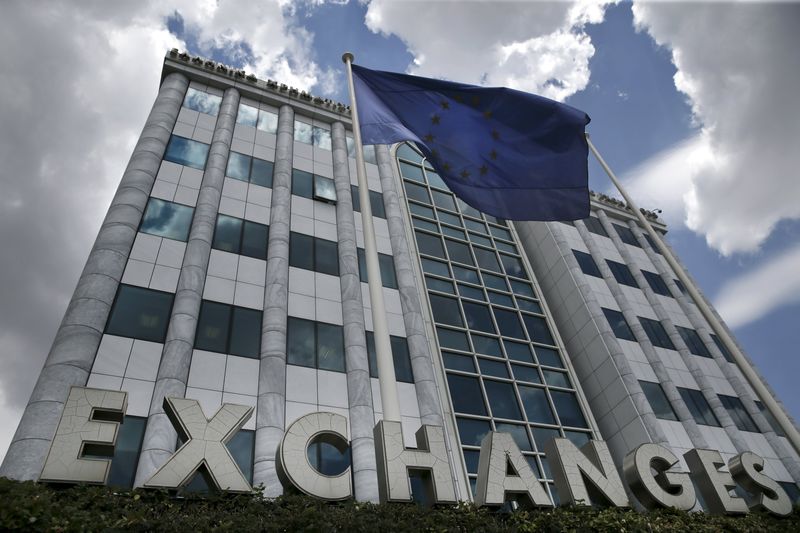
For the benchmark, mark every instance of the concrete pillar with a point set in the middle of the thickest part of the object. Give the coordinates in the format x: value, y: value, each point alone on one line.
x: 72, y: 353
x: 271, y: 415
x: 359, y: 391
x: 701, y: 326
x: 160, y: 436
x: 418, y: 347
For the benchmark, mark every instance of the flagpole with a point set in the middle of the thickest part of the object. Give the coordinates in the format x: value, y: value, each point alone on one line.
x: 741, y: 361
x: 380, y: 326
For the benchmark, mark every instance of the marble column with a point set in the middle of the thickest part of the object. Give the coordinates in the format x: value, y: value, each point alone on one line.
x: 359, y: 392
x: 160, y: 436
x: 271, y: 414
x: 72, y: 354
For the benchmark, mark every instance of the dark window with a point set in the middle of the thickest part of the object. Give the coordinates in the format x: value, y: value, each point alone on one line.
x: 261, y: 172
x: 594, y: 225
x: 241, y: 237
x: 242, y: 447
x: 468, y: 291
x: 494, y: 282
x: 227, y: 329
x: 315, y: 345
x: 445, y: 310
x: 724, y: 349
x: 417, y: 192
x: 569, y: 412
x: 330, y: 456
x: 254, y: 240
x: 791, y: 490
x: 472, y: 431
x: 375, y: 203
x: 443, y: 200
x: 619, y: 325
x: 556, y: 379
x: 652, y: 243
x: 227, y: 234
x: 186, y: 152
x: 656, y: 283
x: 167, y: 219
x: 430, y: 244
x: 454, y: 361
x: 435, y: 267
x: 693, y: 341
x: 526, y: 373
x: 412, y: 172
x: 738, y: 413
x: 681, y: 287
x: 500, y: 233
x: 466, y: 394
x: 487, y: 259
x: 536, y: 405
x: 312, y: 253
x: 420, y: 210
x: 486, y: 345
x: 478, y: 317
x: 501, y: 299
x: 773, y: 422
x: 537, y: 329
x: 698, y: 406
x: 518, y: 433
x: 493, y: 368
x: 302, y: 183
x: 626, y: 235
x: 202, y: 101
x: 126, y: 452
x: 522, y: 288
x: 549, y: 357
x: 658, y: 400
x: 544, y: 435
x: 509, y: 324
x: 513, y: 266
x: 502, y: 400
x: 400, y: 355
x: 518, y: 351
x: 656, y: 333
x: 458, y: 252
x: 140, y: 313
x: 622, y: 273
x: 587, y: 264
x: 435, y: 284
x: 448, y: 338
x: 386, y: 264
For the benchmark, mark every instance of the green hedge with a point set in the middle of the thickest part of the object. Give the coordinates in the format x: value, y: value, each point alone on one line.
x: 38, y: 507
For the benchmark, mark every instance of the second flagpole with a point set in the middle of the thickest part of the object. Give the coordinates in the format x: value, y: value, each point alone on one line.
x: 380, y: 326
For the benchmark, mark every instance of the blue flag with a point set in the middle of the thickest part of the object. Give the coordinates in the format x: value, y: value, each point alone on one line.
x: 507, y: 153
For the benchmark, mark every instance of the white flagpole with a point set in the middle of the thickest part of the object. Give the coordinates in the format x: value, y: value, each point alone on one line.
x: 383, y: 347
x: 741, y: 361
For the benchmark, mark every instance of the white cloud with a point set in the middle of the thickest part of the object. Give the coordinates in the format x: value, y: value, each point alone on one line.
x: 755, y: 294
x: 531, y: 46
x: 739, y: 67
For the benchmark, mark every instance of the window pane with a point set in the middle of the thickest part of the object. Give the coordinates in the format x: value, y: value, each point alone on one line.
x: 509, y: 324
x: 568, y: 409
x: 738, y: 413
x: 324, y: 189
x: 261, y: 174
x: 578, y: 438
x: 406, y: 152
x: 435, y: 267
x: 421, y: 210
x: 698, y: 406
x: 322, y: 138
x: 246, y: 332
x: 544, y: 435
x: 212, y: 327
x: 529, y: 305
x: 537, y: 329
x: 477, y: 239
x: 424, y: 224
x: 430, y: 244
x: 521, y: 288
x: 626, y: 235
x: 722, y: 348
x: 622, y: 274
x: 435, y: 284
x: 241, y: 447
x: 254, y: 240
x: 500, y: 233
x: 468, y: 291
x: 386, y: 263
x: 202, y: 101
x: 301, y: 251
x: 435, y: 180
x: 658, y: 400
x: 518, y: 433
x: 478, y: 317
x: 526, y: 373
x: 300, y: 342
x: 693, y: 341
x: 493, y: 368
x: 417, y: 192
x: 443, y: 200
x: 556, y: 379
x: 474, y: 225
x: 412, y: 172
x: 548, y: 357
x: 518, y: 351
x: 247, y: 115
x: 472, y: 431
x: 369, y: 154
x: 494, y: 282
x: 656, y: 283
x: 587, y: 264
x: 330, y: 347
x: 534, y: 400
x: 618, y: 324
x: 227, y: 234
x: 186, y: 152
x: 502, y: 400
x: 486, y: 259
x: 449, y: 338
x: 454, y: 361
x: 326, y: 257
x: 167, y: 219
x: 448, y: 218
x: 376, y: 203
x: 445, y: 310
x: 656, y: 333
x: 513, y: 266
x: 486, y: 345
x: 302, y: 183
x: 238, y: 166
x: 594, y: 225
x: 466, y: 395
x: 467, y: 209
x: 303, y: 132
x: 126, y: 451
x: 140, y: 314
x: 267, y: 121
x: 471, y: 458
x: 465, y: 274
x: 326, y: 458
x: 402, y: 360
x: 458, y: 252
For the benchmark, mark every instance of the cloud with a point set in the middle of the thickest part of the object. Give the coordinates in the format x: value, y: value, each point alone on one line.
x: 739, y: 68
x: 531, y: 46
x: 757, y: 293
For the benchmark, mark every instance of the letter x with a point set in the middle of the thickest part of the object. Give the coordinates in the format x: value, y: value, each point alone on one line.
x: 204, y: 446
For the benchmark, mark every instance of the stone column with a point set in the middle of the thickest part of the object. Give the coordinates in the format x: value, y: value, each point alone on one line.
x: 75, y: 346
x: 160, y: 436
x: 688, y: 359
x: 418, y: 348
x: 359, y: 391
x: 271, y: 415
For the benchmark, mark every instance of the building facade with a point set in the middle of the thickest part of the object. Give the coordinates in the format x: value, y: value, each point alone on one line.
x: 230, y: 269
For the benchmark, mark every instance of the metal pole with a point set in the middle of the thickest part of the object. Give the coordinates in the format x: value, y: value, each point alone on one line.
x: 383, y: 347
x: 741, y: 361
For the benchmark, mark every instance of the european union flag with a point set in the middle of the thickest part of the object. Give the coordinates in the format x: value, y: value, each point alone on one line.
x: 507, y: 153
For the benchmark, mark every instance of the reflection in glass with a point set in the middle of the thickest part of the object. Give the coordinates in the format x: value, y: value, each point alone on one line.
x: 202, y: 101
x: 508, y: 322
x: 324, y: 189
x: 327, y: 458
x: 330, y: 347
x: 140, y: 313
x: 186, y: 152
x: 493, y: 368
x: 321, y: 138
x: 526, y: 373
x: 445, y: 310
x: 486, y: 345
x: 238, y: 166
x: 126, y: 452
x: 247, y: 115
x: 254, y: 240
x: 568, y: 409
x: 167, y: 219
x: 302, y: 183
x: 478, y: 317
x: 537, y: 329
x: 518, y: 433
x: 472, y: 431
x: 466, y: 394
x: 534, y: 400
x: 267, y: 121
x: 544, y: 435
x: 556, y: 379
x: 212, y: 327
x: 502, y: 399
x: 454, y: 361
x: 518, y: 351
x: 303, y: 132
x: 449, y: 338
x: 227, y: 234
x: 300, y: 342
x: 261, y: 173
x: 246, y: 333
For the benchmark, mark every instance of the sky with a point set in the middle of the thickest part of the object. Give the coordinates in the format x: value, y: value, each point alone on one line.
x: 693, y: 105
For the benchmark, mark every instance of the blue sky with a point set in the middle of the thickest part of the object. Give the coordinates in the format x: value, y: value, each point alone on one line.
x: 692, y: 104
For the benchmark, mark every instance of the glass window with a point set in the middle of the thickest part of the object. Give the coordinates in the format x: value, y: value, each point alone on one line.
x: 544, y: 435
x: 412, y: 172
x: 186, y: 152
x: 458, y: 252
x: 465, y: 274
x: 722, y: 348
x: 486, y: 259
x: 468, y: 291
x: 454, y: 361
x: 443, y: 200
x: 529, y: 305
x: 478, y: 317
x: 568, y: 410
x: 699, y: 407
x: 693, y: 341
x: 513, y: 266
x: 471, y: 458
x: 537, y: 329
x: 417, y: 192
x: 407, y: 152
x: 445, y: 310
x: 509, y: 324
x: 771, y: 420
x: 578, y: 438
x: 300, y: 342
x: 495, y: 369
x: 502, y: 400
x: 227, y: 234
x: 656, y: 333
x: 238, y: 166
x: 303, y: 132
x: 326, y: 457
x: 518, y: 433
x: 301, y: 251
x: 500, y: 298
x: 518, y: 351
x: 402, y: 360
x: 658, y: 400
x: 477, y: 239
x: 388, y: 277
x: 376, y: 203
x: 466, y: 394
x: 681, y: 287
x: 435, y: 284
x: 556, y: 379
x: 261, y: 172
x: 435, y: 267
x: 326, y: 257
x: 449, y: 338
x: 324, y: 189
x: 254, y: 240
x: 738, y: 413
x: 526, y: 373
x: 494, y: 282
x: 140, y: 313
x: 468, y: 209
x: 321, y: 137
x: 656, y: 283
x: 421, y: 210
x: 126, y: 451
x: 622, y: 273
x: 267, y: 121
x: 522, y: 288
x: 241, y: 447
x: 619, y: 325
x: 651, y: 242
x: 486, y: 345
x: 548, y: 357
x: 534, y: 400
x: 202, y: 101
x: 330, y: 347
x: 587, y: 264
x: 594, y: 225
x: 435, y: 180
x: 626, y: 235
x: 302, y: 183
x: 472, y: 431
x: 430, y: 244
x: 500, y: 233
x: 449, y: 218
x: 213, y: 327
x: 247, y: 115
x: 245, y: 333
x: 424, y: 224
x: 167, y: 219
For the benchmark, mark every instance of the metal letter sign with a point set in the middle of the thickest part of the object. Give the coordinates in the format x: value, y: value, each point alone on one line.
x: 498, y: 450
x: 746, y: 471
x: 712, y: 483
x: 203, y: 447
x: 662, y: 489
